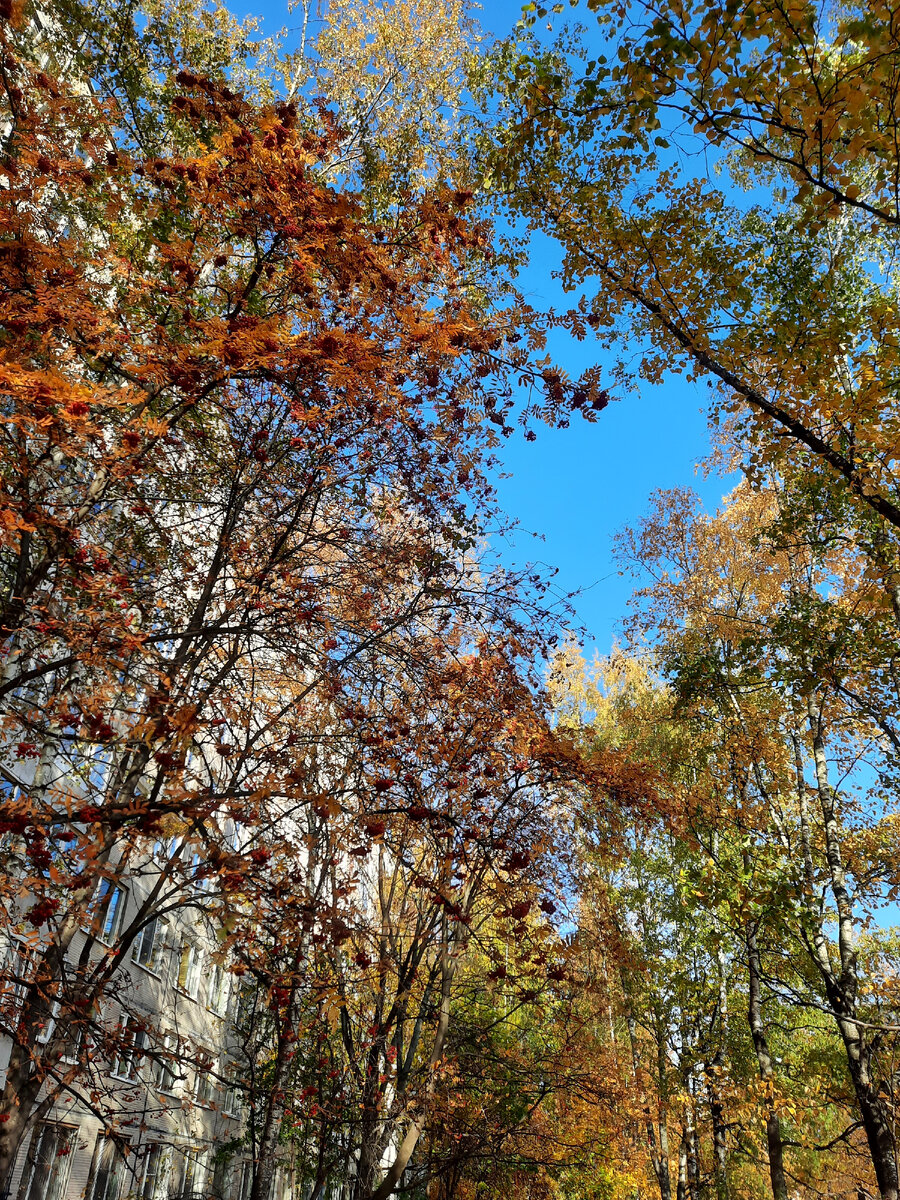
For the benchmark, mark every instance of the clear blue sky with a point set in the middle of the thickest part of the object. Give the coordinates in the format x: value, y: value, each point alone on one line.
x: 578, y: 486
x: 575, y: 488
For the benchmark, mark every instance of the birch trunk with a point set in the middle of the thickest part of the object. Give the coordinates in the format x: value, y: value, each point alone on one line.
x: 774, y: 1141
x: 842, y: 988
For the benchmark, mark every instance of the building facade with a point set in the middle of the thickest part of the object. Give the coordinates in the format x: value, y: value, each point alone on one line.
x: 161, y: 1116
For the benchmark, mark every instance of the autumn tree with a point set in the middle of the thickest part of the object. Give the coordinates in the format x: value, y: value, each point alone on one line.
x: 451, y: 836
x: 392, y: 77
x: 707, y: 980
x: 722, y: 184
x: 745, y: 627
x: 245, y: 438
x: 777, y: 287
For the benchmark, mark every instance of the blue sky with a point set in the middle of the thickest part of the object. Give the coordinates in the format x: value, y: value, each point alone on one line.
x: 572, y: 490
x: 577, y: 487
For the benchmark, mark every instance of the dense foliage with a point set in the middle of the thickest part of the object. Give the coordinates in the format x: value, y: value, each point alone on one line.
x: 621, y: 934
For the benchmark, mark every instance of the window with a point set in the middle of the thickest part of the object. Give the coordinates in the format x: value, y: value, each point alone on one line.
x: 189, y: 969
x: 74, y: 1028
x: 197, y: 1173
x: 109, y: 911
x: 17, y: 970
x: 64, y: 849
x: 246, y: 1005
x: 204, y: 1083
x: 246, y: 1180
x: 151, y: 1175
x: 217, y: 996
x: 76, y: 1039
x: 165, y: 848
x: 198, y: 877
x: 231, y: 835
x: 45, y: 1032
x: 108, y: 1170
x: 98, y: 770
x: 145, y: 949
x: 224, y: 1178
x: 48, y: 1165
x: 191, y: 1172
x: 233, y: 1098
x: 164, y: 1075
x: 130, y: 1054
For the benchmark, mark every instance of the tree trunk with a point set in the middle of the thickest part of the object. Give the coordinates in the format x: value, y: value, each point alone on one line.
x: 265, y: 1165
x: 659, y: 1160
x: 369, y: 1157
x: 266, y: 1162
x: 394, y: 1173
x: 682, y: 1187
x: 875, y: 1115
x: 663, y: 1174
x: 774, y: 1143
x: 693, y: 1153
x: 842, y: 989
x: 720, y: 1146
x: 716, y: 1108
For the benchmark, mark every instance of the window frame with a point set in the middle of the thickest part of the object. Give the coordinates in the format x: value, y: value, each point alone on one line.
x: 107, y: 931
x: 197, y: 862
x: 41, y: 1172
x: 108, y: 1164
x: 165, y: 1077
x: 205, y: 1080
x: 158, y: 1176
x: 151, y: 931
x: 196, y: 1169
x: 243, y: 1001
x: 217, y: 994
x: 191, y: 1170
x: 187, y: 977
x: 246, y: 1180
x: 129, y: 1057
x: 19, y: 962
x: 43, y: 1035
x: 232, y: 1091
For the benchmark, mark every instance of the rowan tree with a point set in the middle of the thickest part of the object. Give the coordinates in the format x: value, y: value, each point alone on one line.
x: 451, y: 836
x: 243, y: 479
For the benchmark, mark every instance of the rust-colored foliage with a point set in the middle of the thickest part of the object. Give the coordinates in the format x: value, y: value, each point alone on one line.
x: 246, y: 636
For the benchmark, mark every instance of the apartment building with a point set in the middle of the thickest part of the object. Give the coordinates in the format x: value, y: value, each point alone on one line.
x: 162, y: 1116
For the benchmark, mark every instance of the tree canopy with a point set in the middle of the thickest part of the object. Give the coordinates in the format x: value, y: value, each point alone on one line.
x: 500, y: 921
